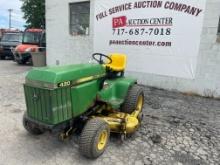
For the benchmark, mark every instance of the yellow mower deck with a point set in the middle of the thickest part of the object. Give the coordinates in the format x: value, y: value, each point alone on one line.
x: 125, y: 123
x: 120, y: 122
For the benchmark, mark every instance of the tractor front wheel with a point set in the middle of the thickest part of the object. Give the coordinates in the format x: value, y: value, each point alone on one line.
x: 94, y: 138
x: 31, y: 128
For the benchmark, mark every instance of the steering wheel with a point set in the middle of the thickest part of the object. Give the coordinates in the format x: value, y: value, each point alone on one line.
x: 99, y: 58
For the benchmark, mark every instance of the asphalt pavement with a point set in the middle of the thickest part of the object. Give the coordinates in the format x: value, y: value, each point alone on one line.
x: 176, y: 130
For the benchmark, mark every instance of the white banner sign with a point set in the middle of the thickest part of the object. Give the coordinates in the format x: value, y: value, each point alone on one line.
x: 159, y: 37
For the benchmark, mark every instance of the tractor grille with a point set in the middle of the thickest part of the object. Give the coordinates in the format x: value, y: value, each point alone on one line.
x: 48, y: 106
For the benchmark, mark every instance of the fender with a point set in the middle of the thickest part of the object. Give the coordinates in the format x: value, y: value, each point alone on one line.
x: 114, y: 91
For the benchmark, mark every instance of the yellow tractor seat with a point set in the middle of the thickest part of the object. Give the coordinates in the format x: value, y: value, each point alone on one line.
x: 118, y: 62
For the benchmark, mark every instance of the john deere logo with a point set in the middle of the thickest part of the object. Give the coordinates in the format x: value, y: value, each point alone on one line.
x: 35, y: 97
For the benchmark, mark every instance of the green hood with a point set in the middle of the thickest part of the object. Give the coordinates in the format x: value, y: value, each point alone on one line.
x: 58, y: 74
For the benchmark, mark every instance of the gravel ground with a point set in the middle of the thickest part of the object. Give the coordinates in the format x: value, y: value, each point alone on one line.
x: 177, y: 129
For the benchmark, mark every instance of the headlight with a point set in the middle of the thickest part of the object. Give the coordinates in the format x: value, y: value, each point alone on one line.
x: 32, y: 49
x: 28, y: 50
x: 16, y: 49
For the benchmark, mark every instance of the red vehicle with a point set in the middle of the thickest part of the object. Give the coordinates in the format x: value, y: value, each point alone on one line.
x: 32, y: 40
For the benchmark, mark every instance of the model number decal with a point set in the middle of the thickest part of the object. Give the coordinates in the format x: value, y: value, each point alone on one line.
x: 64, y: 84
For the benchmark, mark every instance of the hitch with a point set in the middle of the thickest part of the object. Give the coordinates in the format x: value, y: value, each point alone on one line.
x: 66, y: 134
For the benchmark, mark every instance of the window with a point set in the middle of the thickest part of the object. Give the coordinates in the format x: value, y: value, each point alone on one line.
x: 79, y: 18
x: 43, y: 43
x: 31, y: 37
x: 219, y: 26
x: 43, y: 40
x: 12, y: 37
x: 218, y: 32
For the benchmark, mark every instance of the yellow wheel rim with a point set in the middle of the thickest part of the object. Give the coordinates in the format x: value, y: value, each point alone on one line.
x: 102, y: 140
x: 140, y: 102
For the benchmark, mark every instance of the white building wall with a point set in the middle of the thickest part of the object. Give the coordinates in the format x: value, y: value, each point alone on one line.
x: 62, y: 48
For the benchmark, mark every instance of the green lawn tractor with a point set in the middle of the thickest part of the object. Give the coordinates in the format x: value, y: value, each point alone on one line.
x: 93, y: 99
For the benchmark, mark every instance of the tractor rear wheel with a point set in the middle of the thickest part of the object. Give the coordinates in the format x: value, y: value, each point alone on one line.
x: 134, y: 100
x: 31, y: 128
x: 94, y: 138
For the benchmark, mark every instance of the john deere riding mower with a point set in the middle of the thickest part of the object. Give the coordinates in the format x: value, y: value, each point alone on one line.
x: 94, y: 99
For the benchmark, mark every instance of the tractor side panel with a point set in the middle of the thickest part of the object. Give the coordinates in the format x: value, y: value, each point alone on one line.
x: 84, y: 96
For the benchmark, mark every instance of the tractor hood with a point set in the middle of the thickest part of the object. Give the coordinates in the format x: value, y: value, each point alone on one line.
x: 63, y: 76
x: 23, y: 47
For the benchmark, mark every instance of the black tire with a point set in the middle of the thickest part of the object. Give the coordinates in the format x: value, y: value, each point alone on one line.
x: 31, y: 128
x: 2, y: 57
x: 30, y: 61
x: 131, y: 99
x: 12, y: 58
x: 21, y: 62
x: 90, y: 137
